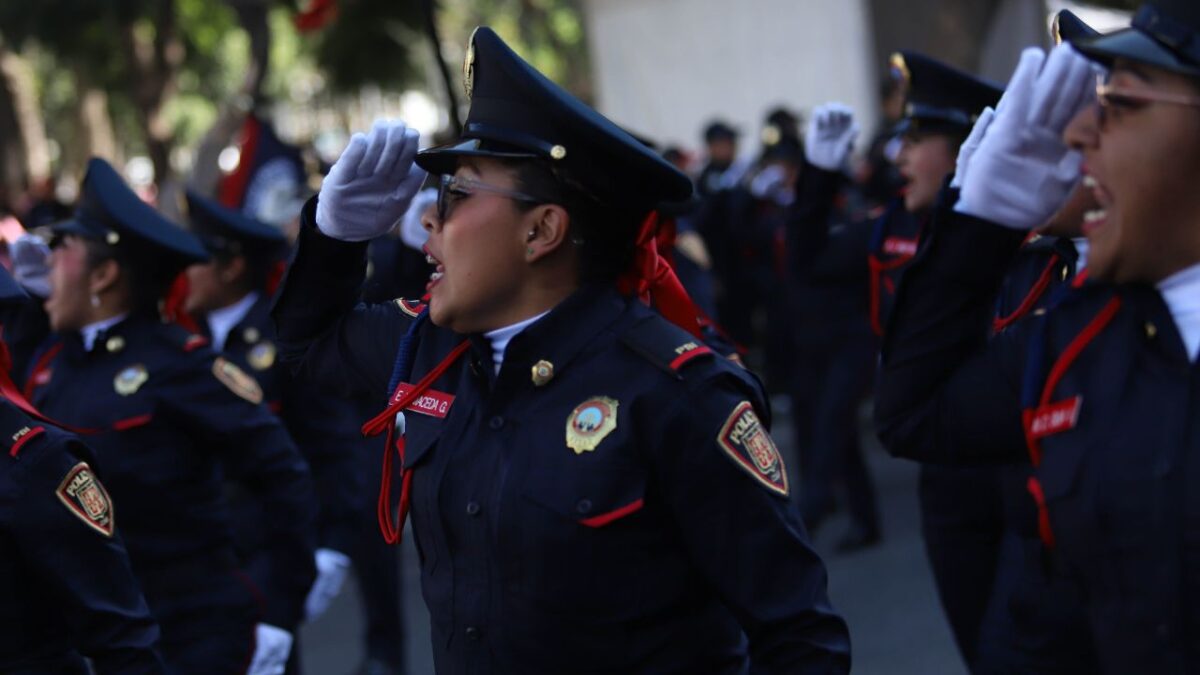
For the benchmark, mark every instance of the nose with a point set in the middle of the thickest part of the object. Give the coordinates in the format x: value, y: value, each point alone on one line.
x: 1083, y: 131
x: 902, y: 154
x: 429, y: 219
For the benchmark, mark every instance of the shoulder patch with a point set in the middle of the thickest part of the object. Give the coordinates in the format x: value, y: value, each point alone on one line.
x: 86, y: 499
x: 237, y: 380
x: 746, y: 441
x: 664, y: 344
x: 410, y: 307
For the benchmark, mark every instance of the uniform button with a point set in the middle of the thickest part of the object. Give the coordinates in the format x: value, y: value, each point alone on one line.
x: 496, y: 423
x: 584, y: 506
x: 473, y: 633
x: 473, y: 508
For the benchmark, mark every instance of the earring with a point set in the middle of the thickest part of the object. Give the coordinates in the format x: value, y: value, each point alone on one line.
x: 95, y: 300
x: 529, y: 251
x: 532, y: 234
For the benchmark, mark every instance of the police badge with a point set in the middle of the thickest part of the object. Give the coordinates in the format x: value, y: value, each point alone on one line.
x: 590, y: 422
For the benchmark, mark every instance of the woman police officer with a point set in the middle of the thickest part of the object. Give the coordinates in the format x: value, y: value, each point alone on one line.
x: 1101, y: 391
x: 592, y: 489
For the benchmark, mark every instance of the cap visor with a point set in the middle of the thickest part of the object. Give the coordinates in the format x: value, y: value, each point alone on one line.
x: 1133, y: 45
x: 72, y: 226
x: 443, y: 159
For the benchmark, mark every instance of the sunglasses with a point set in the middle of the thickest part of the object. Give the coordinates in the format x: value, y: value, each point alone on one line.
x: 1115, y: 100
x: 453, y: 189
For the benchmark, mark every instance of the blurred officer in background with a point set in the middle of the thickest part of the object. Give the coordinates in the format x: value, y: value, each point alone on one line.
x: 173, y: 421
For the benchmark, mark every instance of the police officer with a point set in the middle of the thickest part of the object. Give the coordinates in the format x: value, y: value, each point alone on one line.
x: 232, y: 293
x: 589, y: 486
x: 1099, y: 392
x: 172, y: 420
x: 69, y: 591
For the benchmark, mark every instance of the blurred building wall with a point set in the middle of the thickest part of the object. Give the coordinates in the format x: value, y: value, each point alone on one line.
x: 664, y: 68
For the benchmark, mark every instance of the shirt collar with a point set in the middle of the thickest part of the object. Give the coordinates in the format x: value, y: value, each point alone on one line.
x: 222, y: 321
x: 500, y: 338
x: 90, y: 332
x: 1181, y: 293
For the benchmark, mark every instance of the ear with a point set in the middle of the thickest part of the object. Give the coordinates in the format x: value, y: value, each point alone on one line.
x: 104, y: 277
x: 546, y: 231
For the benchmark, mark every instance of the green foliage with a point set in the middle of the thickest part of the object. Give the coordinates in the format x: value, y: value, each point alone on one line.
x: 369, y: 43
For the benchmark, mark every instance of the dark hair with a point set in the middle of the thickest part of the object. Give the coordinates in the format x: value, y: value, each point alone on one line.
x: 146, y: 282
x: 603, y: 233
x: 259, y: 266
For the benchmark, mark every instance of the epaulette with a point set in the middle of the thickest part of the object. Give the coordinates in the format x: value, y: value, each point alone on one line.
x: 410, y: 307
x: 17, y: 429
x: 667, y: 346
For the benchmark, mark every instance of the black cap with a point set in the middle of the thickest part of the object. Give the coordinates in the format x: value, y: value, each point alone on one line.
x: 718, y: 130
x: 1165, y: 34
x: 941, y: 98
x: 109, y: 211
x: 223, y: 230
x: 516, y: 112
x: 1067, y: 27
x: 780, y: 125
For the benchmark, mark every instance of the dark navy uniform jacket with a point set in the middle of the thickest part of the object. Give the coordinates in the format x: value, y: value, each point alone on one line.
x: 325, y: 427
x: 661, y: 550
x: 173, y: 421
x: 891, y: 248
x: 65, y: 578
x: 1099, y: 394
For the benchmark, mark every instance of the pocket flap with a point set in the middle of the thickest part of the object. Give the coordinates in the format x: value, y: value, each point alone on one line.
x: 594, y: 496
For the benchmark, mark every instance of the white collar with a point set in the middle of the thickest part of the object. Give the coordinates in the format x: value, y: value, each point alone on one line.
x: 1181, y: 292
x: 222, y: 321
x: 502, y: 336
x: 1081, y: 248
x: 90, y: 331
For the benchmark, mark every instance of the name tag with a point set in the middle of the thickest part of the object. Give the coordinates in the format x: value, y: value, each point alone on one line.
x: 898, y: 246
x: 1055, y: 418
x: 432, y: 403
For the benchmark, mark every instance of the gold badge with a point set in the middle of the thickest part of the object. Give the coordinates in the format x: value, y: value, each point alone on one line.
x: 748, y: 443
x: 237, y: 380
x: 131, y: 379
x: 114, y: 344
x: 543, y: 372
x: 590, y: 422
x: 262, y: 356
x: 87, y: 499
x: 469, y: 66
x: 901, y: 66
x: 251, y: 335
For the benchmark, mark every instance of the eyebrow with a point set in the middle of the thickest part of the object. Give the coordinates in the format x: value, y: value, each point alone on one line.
x: 1134, y: 70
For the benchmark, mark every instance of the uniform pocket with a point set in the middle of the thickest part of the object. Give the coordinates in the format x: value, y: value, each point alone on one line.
x: 597, y: 498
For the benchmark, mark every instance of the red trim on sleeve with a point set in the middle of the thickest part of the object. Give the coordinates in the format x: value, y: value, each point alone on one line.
x: 29, y: 435
x: 132, y: 422
x: 616, y: 514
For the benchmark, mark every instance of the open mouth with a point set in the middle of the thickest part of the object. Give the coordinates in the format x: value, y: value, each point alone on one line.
x: 439, y: 270
x: 1095, y: 218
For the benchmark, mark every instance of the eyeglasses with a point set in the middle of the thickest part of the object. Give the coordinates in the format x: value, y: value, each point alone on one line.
x: 454, y: 189
x: 1116, y: 100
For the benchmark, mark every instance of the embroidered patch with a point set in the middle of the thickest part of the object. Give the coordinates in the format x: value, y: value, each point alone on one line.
x: 262, y: 356
x: 1054, y: 418
x: 237, y: 380
x: 432, y: 403
x: 590, y: 422
x: 410, y: 307
x: 87, y: 499
x: 745, y: 440
x: 129, y: 380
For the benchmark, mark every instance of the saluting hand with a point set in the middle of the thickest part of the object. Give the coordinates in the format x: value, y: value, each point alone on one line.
x: 830, y: 136
x: 967, y: 150
x: 1023, y: 170
x: 370, y: 186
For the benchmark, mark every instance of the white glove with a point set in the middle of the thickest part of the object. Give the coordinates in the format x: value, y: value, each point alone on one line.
x: 412, y: 232
x: 31, y: 264
x: 830, y: 136
x: 332, y: 567
x: 271, y: 648
x: 969, y: 146
x: 1023, y: 171
x: 370, y: 185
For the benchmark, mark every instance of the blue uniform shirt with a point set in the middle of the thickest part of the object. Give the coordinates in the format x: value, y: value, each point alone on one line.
x: 67, y: 584
x: 627, y: 515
